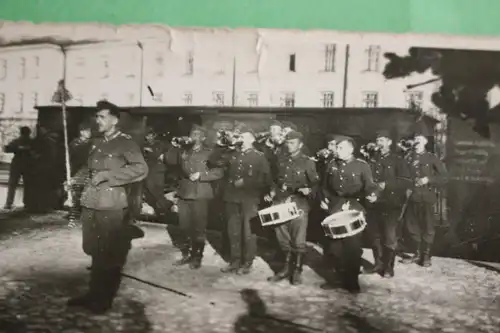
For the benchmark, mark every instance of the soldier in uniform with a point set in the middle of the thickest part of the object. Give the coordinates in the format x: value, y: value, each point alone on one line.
x: 427, y: 173
x: 273, y: 146
x: 195, y: 192
x: 383, y: 215
x: 22, y: 148
x: 297, y: 182
x: 248, y: 178
x: 115, y: 161
x: 349, y: 183
x: 154, y: 184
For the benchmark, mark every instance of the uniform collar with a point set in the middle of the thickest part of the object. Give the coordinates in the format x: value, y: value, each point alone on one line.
x: 111, y: 136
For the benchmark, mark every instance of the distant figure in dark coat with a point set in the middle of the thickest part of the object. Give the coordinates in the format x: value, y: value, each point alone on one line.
x: 22, y: 149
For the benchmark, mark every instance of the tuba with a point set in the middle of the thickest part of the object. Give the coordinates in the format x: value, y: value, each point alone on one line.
x: 369, y: 151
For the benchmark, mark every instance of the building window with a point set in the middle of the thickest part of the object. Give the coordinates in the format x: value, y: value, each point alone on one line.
x: 131, y: 98
x: 20, y: 98
x: 372, y: 58
x: 2, y: 102
x: 105, y: 67
x: 80, y: 68
x: 291, y: 63
x: 330, y: 51
x: 3, y: 69
x: 23, y: 68
x: 158, y: 97
x: 35, y: 98
x: 190, y: 63
x: 253, y: 99
x: 36, y: 73
x: 160, y: 64
x: 327, y: 99
x: 288, y: 100
x: 414, y: 99
x: 188, y: 98
x: 370, y: 99
x: 218, y: 97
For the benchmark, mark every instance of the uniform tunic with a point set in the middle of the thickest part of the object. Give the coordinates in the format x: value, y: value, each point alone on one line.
x: 383, y: 215
x: 294, y: 173
x: 119, y: 161
x: 348, y: 182
x: 195, y: 195
x: 22, y: 148
x: 420, y: 221
x: 242, y: 202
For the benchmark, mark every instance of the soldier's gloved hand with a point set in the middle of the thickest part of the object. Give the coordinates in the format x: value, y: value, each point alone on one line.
x: 371, y: 198
x: 381, y: 185
x: 304, y: 191
x: 422, y: 181
x: 194, y: 176
x: 238, y: 183
x: 408, y: 193
x: 99, y: 178
x: 324, y: 204
x: 68, y: 184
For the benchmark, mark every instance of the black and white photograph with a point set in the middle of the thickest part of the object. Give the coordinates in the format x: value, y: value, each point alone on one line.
x: 159, y: 179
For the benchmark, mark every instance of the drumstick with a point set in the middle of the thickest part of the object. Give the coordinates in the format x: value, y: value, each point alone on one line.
x: 403, y: 209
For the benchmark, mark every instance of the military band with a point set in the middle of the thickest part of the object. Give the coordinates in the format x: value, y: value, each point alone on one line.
x: 386, y: 188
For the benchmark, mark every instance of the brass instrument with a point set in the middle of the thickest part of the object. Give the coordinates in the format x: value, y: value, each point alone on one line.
x: 369, y: 150
x: 323, y: 155
x: 184, y: 142
x: 229, y: 139
x: 406, y: 146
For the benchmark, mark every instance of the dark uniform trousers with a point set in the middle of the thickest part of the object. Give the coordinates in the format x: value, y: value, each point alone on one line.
x: 154, y: 187
x: 420, y: 224
x: 383, y: 225
x: 106, y: 241
x: 242, y: 239
x: 193, y: 217
x: 292, y: 235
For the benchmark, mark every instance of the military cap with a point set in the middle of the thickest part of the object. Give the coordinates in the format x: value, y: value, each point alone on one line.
x: 243, y: 128
x: 292, y: 135
x: 420, y: 129
x: 199, y: 128
x: 105, y: 105
x: 275, y: 123
x: 289, y: 124
x: 383, y: 134
x: 342, y: 138
x: 332, y: 137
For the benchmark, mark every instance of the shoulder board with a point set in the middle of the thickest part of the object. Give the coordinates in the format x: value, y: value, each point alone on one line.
x: 361, y: 160
x: 258, y: 152
x: 123, y: 135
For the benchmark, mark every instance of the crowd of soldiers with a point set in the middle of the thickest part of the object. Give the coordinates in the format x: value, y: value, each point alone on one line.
x: 392, y: 189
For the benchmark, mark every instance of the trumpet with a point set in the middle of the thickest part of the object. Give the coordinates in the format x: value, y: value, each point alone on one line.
x: 229, y: 139
x: 406, y: 145
x: 184, y: 142
x: 369, y: 150
x: 322, y: 155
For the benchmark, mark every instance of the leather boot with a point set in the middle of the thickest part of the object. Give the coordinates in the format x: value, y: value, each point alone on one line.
x: 377, y: 256
x: 245, y: 269
x: 351, y: 281
x: 389, y: 260
x: 296, y: 278
x: 185, y: 259
x: 196, y: 255
x: 233, y: 267
x: 87, y: 298
x: 110, y: 283
x: 426, y: 256
x: 284, y: 272
x: 415, y: 258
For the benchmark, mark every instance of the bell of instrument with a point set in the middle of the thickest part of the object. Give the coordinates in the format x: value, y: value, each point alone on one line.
x: 370, y: 150
x: 228, y: 139
x: 184, y: 142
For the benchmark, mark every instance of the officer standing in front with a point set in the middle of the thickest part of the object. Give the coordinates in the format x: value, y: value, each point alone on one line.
x: 248, y: 178
x: 383, y: 215
x: 195, y: 192
x: 297, y: 182
x: 114, y: 162
x: 427, y: 173
x: 349, y: 183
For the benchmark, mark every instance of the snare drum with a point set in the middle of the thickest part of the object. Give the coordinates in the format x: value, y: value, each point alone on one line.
x: 279, y: 214
x: 344, y: 224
